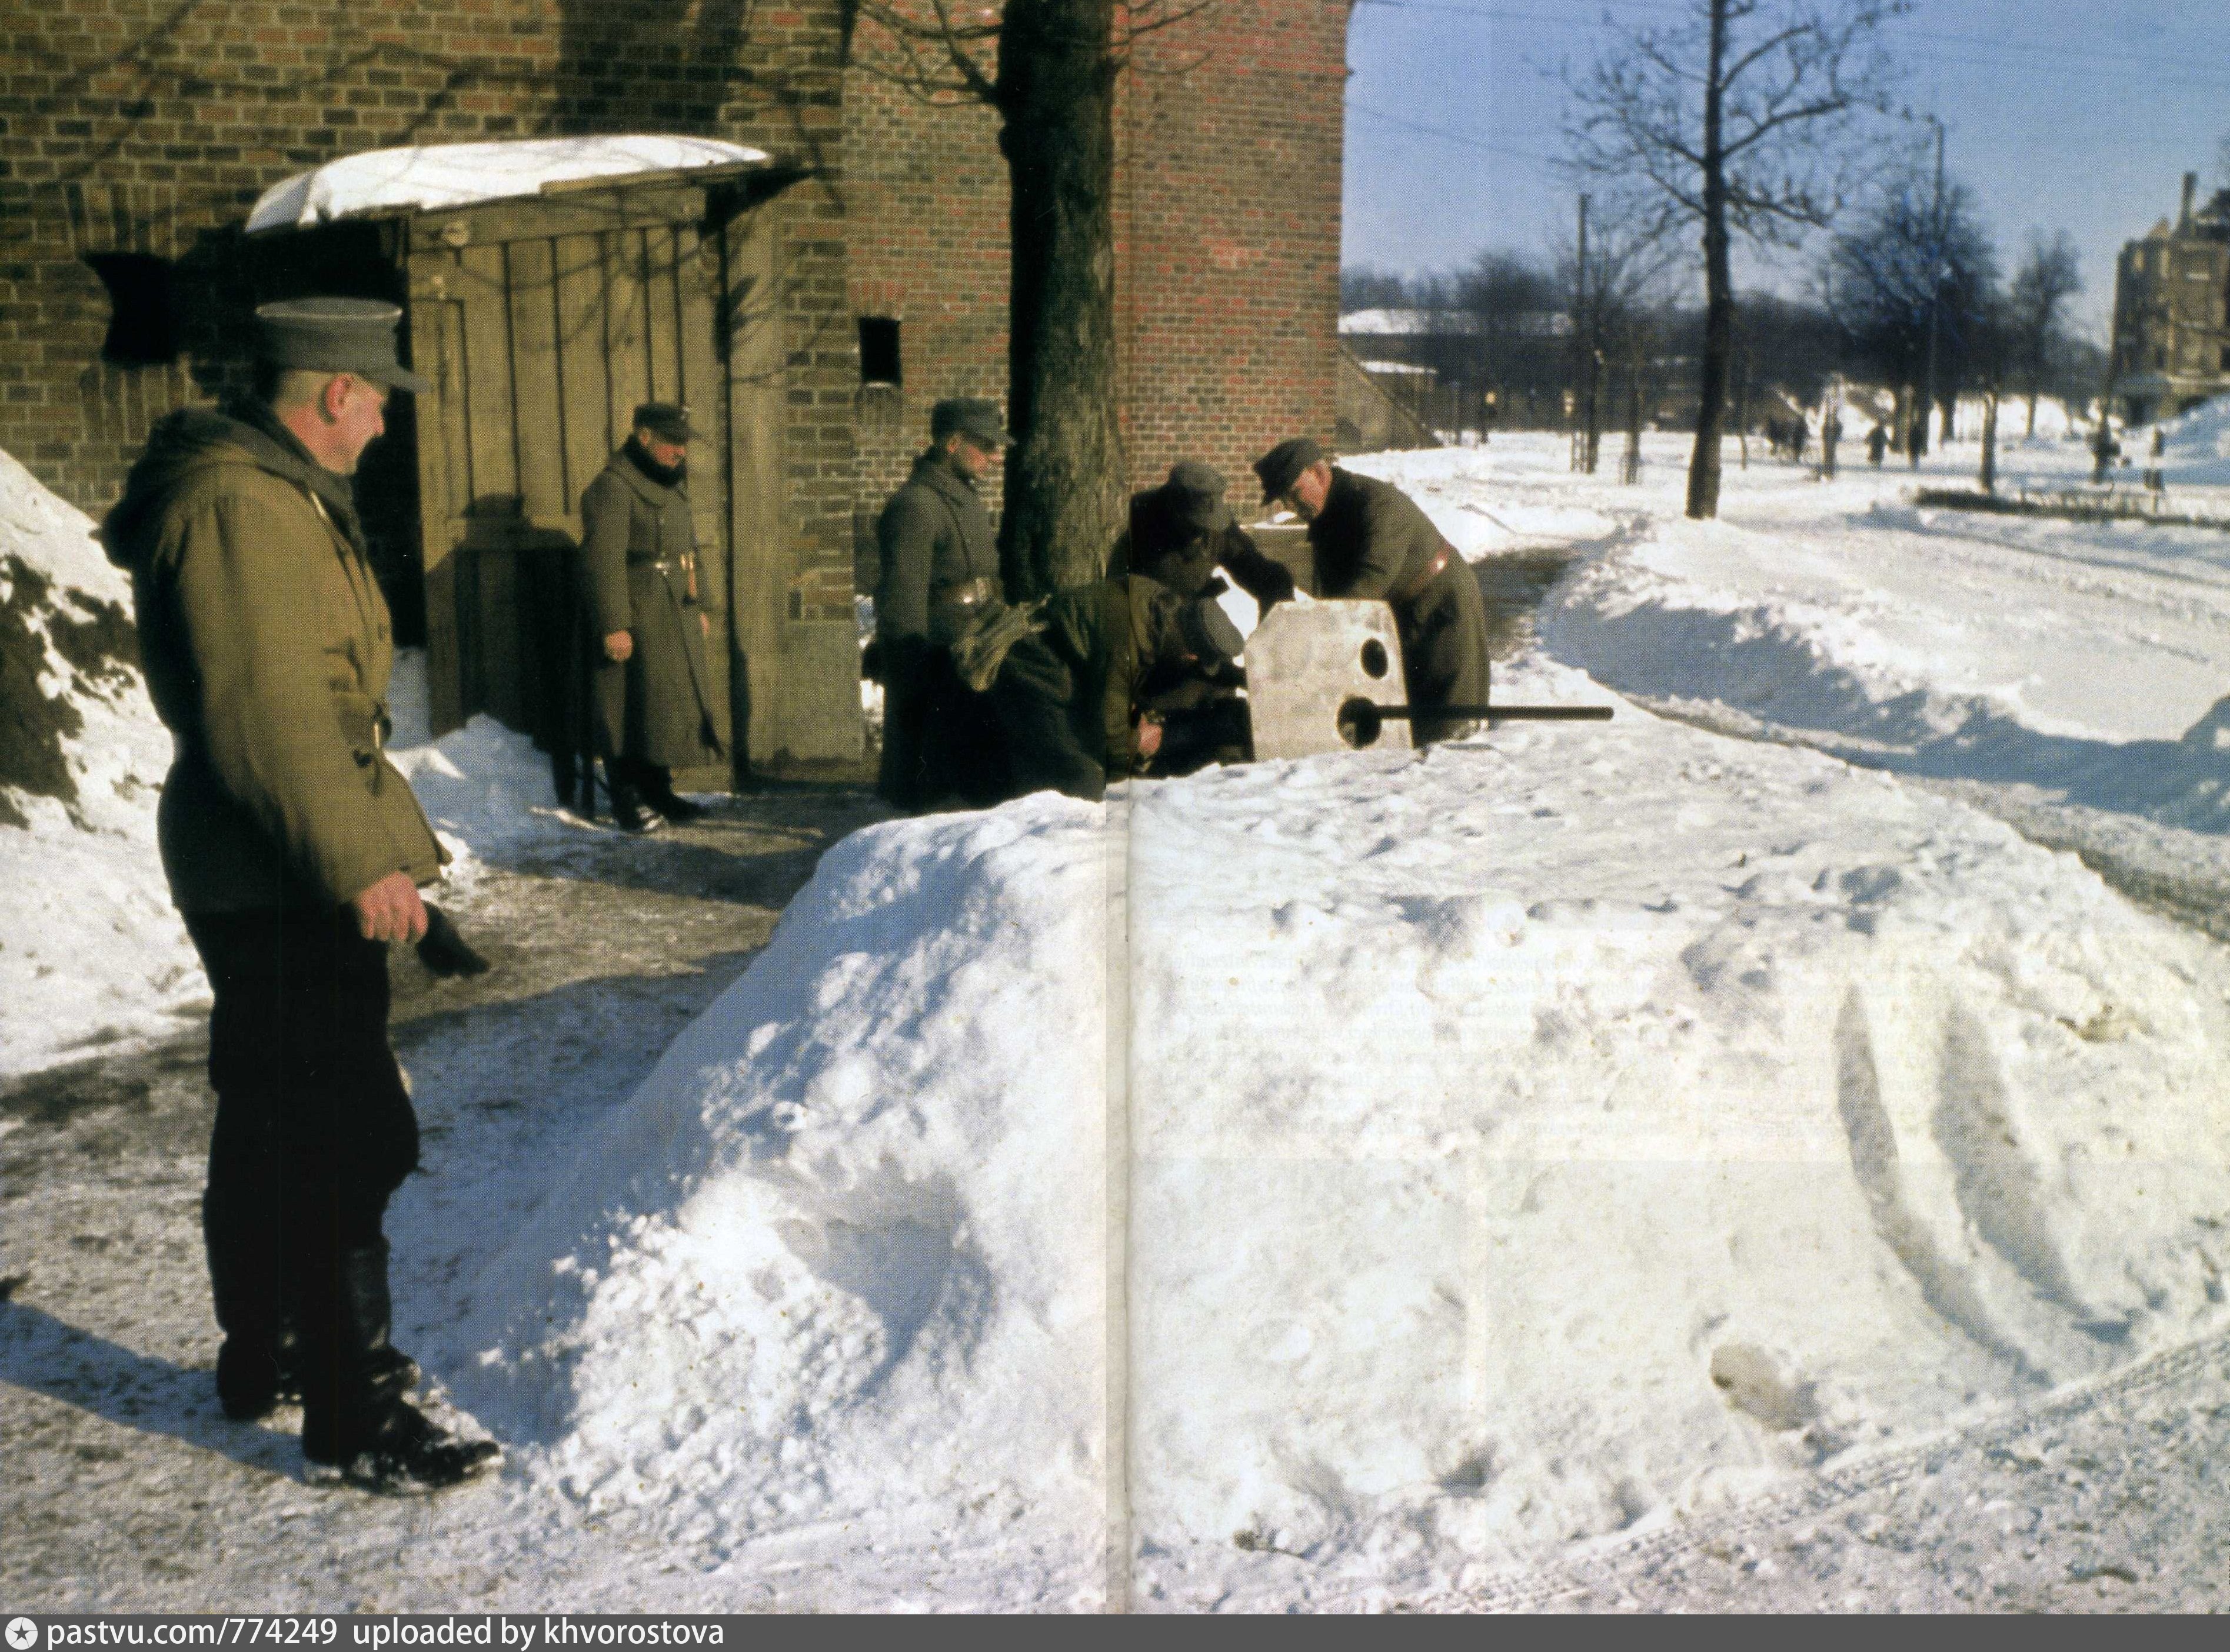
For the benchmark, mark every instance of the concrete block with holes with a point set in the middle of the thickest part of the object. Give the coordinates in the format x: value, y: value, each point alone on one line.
x: 1306, y: 661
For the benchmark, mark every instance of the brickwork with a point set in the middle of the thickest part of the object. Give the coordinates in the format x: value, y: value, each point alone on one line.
x: 1227, y: 216
x: 1229, y: 282
x: 140, y: 126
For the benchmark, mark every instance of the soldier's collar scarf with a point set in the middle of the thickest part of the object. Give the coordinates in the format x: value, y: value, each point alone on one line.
x: 280, y: 450
x: 664, y: 475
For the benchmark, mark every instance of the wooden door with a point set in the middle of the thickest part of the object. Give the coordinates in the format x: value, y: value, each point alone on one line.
x: 544, y: 324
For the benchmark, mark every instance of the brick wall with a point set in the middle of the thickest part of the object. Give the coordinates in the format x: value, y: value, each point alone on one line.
x: 143, y: 126
x: 1228, y: 284
x: 137, y: 126
x: 1227, y: 221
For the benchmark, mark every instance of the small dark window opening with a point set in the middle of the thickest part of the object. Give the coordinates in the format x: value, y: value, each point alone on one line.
x: 143, y: 314
x: 879, y: 351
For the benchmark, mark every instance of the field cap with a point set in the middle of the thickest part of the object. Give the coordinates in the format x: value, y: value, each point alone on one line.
x: 667, y: 420
x: 335, y: 336
x: 1282, y: 466
x: 1209, y: 634
x: 973, y: 416
x: 1193, y: 497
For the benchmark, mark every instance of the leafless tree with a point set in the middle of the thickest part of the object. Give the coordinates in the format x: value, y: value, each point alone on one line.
x: 1743, y: 118
x: 1050, y: 69
x: 2036, y: 306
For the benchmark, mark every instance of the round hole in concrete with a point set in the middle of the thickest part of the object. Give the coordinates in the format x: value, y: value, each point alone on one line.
x: 1360, y: 723
x: 1373, y: 658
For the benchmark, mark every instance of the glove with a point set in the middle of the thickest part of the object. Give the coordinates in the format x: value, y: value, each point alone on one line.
x: 444, y: 951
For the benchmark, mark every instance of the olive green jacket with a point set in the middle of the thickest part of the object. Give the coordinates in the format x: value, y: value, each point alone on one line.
x: 638, y: 547
x: 1068, y: 696
x: 268, y: 647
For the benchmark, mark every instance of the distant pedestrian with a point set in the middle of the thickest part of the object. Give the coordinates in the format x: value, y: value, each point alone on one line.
x: 294, y: 851
x: 1877, y: 444
x: 651, y: 704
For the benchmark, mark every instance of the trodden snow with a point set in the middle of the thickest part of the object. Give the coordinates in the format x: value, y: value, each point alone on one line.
x: 1418, y: 1164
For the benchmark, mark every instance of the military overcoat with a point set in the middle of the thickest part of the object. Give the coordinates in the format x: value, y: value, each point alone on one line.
x: 268, y: 648
x: 638, y: 548
x: 935, y: 542
x: 1371, y: 540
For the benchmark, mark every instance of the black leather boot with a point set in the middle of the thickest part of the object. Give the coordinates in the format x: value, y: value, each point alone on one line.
x: 658, y: 791
x: 630, y: 811
x: 256, y: 1368
x: 355, y: 1419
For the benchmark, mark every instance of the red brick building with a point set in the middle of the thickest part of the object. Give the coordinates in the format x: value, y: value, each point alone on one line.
x: 134, y: 135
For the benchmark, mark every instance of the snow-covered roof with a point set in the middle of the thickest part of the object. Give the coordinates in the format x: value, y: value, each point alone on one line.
x: 457, y: 175
x: 1407, y: 324
x: 1450, y: 324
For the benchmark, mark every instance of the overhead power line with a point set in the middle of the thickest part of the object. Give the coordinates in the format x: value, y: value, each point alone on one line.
x: 1442, y: 133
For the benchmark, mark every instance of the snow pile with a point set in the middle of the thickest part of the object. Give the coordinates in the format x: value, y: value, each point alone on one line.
x: 427, y: 178
x: 484, y: 787
x: 1527, y: 1140
x: 841, y: 1251
x: 2195, y: 447
x: 91, y: 951
x: 1878, y: 635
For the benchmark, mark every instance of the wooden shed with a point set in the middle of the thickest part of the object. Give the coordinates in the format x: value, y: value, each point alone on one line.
x: 543, y: 320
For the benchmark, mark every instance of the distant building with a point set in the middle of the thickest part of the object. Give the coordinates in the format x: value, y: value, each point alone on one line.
x: 2172, y: 312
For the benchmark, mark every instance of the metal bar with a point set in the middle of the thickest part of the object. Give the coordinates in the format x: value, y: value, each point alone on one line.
x: 1509, y: 713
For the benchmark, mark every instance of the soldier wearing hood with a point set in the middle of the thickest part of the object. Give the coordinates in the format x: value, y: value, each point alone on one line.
x: 296, y: 852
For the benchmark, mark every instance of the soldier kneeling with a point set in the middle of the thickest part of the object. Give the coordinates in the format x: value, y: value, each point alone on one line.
x: 1106, y: 681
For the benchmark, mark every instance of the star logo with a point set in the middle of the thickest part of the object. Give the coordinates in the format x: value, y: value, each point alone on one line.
x: 22, y: 1633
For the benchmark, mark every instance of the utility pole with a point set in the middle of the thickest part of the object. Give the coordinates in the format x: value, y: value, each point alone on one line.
x: 1935, y: 279
x: 1582, y: 348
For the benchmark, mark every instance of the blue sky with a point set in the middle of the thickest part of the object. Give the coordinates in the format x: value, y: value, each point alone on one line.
x: 2074, y: 114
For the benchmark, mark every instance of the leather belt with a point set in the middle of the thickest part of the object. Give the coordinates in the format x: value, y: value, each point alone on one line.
x: 951, y: 608
x: 968, y: 594
x: 1414, y: 589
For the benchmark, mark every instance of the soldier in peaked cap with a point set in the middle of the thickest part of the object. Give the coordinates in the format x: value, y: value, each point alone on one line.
x: 1371, y: 540
x: 652, y: 706
x: 296, y: 852
x: 1181, y: 531
x: 939, y: 570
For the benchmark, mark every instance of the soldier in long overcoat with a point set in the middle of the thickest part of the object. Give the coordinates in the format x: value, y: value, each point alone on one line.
x: 294, y: 851
x: 939, y: 570
x: 1369, y: 539
x: 651, y: 708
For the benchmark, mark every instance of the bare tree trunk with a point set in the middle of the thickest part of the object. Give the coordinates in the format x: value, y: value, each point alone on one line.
x: 1718, y: 287
x: 1056, y: 90
x: 1990, y: 443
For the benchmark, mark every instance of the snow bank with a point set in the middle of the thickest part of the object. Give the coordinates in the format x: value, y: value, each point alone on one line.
x: 485, y: 788
x: 1528, y: 1140
x: 457, y: 175
x: 1878, y: 636
x: 841, y: 1251
x: 2195, y: 447
x: 91, y: 951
